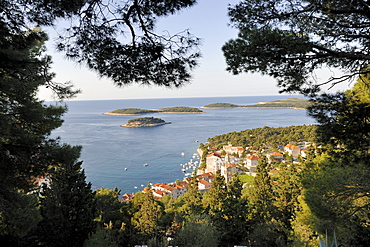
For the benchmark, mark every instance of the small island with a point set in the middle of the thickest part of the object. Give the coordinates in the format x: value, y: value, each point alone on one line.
x: 221, y: 105
x: 180, y: 109
x: 144, y: 122
x: 137, y: 111
x: 295, y: 103
x: 129, y: 111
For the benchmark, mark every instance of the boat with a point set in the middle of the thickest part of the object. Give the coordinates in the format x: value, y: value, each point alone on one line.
x: 183, y: 170
x: 146, y: 164
x: 126, y: 168
x: 182, y: 154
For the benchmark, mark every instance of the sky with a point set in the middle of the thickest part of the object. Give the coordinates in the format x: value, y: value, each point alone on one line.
x: 207, y: 20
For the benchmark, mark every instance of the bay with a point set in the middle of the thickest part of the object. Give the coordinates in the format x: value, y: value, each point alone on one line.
x: 107, y: 148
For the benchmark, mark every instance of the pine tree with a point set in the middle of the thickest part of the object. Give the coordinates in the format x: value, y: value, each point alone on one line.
x: 147, y: 217
x: 191, y: 201
x: 263, y: 212
x: 68, y: 204
x: 236, y: 212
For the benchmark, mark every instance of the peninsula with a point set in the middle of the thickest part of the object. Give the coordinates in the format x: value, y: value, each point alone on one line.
x: 296, y: 103
x: 144, y: 122
x: 137, y: 111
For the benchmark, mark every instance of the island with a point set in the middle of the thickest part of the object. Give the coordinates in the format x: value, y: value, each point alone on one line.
x: 180, y: 109
x: 129, y: 111
x: 144, y: 122
x: 221, y: 105
x: 295, y: 103
x: 137, y: 111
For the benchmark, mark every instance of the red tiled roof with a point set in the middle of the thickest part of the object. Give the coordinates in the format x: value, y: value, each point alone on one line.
x: 253, y: 158
x: 290, y: 146
x: 275, y: 154
x: 203, y: 182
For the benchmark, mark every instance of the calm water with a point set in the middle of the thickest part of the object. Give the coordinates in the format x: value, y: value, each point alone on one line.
x: 109, y: 148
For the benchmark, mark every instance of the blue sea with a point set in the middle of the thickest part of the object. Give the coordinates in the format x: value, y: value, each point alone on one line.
x: 107, y: 148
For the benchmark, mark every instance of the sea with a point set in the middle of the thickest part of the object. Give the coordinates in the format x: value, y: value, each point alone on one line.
x: 130, y: 158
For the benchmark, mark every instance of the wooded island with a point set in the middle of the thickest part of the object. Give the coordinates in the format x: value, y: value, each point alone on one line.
x: 295, y: 103
x: 144, y: 122
x: 137, y: 111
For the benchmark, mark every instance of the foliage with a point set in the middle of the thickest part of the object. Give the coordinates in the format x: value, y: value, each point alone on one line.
x: 290, y: 41
x: 246, y: 179
x: 220, y: 105
x: 344, y: 121
x: 132, y: 111
x: 338, y: 196
x: 197, y: 231
x: 117, y: 40
x: 147, y: 215
x: 266, y: 137
x: 26, y: 150
x: 180, y: 109
x: 146, y: 120
x: 67, y: 204
x: 284, y: 103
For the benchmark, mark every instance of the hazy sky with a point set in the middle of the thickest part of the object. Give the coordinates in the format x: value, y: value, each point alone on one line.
x: 207, y: 20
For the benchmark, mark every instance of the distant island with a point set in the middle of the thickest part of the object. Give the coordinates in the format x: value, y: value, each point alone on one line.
x: 180, y: 109
x: 296, y: 103
x: 129, y: 111
x: 144, y: 122
x: 137, y: 111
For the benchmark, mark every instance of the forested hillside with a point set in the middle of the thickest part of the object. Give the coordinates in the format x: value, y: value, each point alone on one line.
x: 259, y: 137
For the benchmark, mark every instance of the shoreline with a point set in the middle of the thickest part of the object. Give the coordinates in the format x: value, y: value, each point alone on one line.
x: 255, y: 107
x: 125, y: 114
x: 143, y: 125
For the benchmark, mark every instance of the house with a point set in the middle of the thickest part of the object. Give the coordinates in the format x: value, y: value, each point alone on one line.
x: 304, y: 153
x: 227, y: 171
x: 206, y: 176
x: 275, y: 156
x: 126, y: 197
x: 213, y: 162
x: 252, y: 162
x: 292, y: 150
x: 233, y: 150
x: 173, y: 190
x: 204, y: 185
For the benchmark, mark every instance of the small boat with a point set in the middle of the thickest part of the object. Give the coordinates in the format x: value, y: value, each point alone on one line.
x: 182, y: 154
x: 126, y: 168
x: 146, y: 164
x: 183, y: 170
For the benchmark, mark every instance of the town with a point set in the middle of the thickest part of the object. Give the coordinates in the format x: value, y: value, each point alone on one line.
x: 229, y: 160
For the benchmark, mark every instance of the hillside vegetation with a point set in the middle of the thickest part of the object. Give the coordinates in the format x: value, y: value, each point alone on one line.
x: 146, y: 120
x: 180, y: 109
x: 130, y: 111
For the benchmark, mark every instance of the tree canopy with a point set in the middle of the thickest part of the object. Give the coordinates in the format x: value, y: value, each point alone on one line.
x: 116, y: 39
x: 291, y: 40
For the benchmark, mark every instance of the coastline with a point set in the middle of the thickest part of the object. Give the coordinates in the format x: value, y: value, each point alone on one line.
x: 265, y: 107
x: 120, y: 114
x: 125, y: 114
x: 143, y: 125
